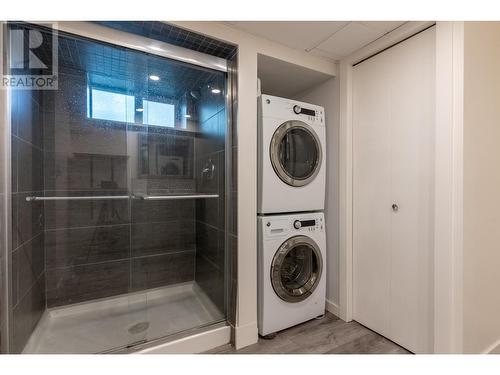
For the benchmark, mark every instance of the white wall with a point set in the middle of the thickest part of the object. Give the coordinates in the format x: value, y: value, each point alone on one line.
x: 327, y: 95
x: 248, y: 49
x: 481, y: 184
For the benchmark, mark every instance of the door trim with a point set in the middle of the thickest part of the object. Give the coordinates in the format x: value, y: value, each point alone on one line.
x: 448, y: 237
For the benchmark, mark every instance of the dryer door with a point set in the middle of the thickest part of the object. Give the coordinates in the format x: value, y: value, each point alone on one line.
x: 295, y: 153
x: 296, y: 269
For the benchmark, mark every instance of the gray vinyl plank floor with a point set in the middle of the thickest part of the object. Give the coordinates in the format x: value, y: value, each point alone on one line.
x: 329, y: 335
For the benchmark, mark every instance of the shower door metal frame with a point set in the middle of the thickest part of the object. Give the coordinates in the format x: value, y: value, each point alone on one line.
x: 104, y: 34
x: 230, y: 273
x: 6, y: 264
x: 136, y: 42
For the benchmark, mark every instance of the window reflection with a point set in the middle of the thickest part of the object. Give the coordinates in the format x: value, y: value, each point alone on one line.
x: 160, y: 114
x: 108, y: 105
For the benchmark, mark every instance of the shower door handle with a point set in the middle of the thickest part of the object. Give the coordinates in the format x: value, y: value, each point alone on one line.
x: 167, y: 197
x: 77, y: 198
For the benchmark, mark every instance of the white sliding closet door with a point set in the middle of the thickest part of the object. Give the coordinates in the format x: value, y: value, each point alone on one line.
x: 393, y: 184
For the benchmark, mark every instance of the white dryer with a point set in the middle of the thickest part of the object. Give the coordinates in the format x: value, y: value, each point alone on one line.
x: 291, y: 270
x: 291, y: 167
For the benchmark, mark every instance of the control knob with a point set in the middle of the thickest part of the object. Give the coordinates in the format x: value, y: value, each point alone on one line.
x: 297, y: 224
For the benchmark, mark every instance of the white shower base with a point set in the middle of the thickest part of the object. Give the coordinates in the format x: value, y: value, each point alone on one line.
x: 117, y: 322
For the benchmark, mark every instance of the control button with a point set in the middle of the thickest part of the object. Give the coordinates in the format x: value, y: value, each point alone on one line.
x: 297, y: 224
x: 268, y: 224
x: 297, y: 109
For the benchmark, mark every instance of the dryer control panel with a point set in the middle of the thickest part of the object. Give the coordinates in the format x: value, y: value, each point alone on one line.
x: 311, y: 113
x: 288, y: 109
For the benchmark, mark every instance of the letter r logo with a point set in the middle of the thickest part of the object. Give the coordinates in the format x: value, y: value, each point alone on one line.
x: 18, y: 50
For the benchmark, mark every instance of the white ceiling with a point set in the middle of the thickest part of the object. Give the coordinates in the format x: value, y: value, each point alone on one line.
x: 331, y: 39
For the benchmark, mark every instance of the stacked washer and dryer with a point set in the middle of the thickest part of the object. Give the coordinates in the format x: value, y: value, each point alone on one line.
x: 291, y: 224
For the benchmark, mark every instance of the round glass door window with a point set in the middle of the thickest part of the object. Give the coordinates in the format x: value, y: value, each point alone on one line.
x: 296, y: 269
x: 295, y: 153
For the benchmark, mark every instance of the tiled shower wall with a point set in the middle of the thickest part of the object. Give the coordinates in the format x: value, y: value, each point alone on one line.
x: 101, y: 248
x: 28, y: 254
x: 210, y: 213
x: 65, y: 252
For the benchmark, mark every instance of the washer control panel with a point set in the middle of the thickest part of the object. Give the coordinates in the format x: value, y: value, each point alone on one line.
x: 274, y: 227
x: 308, y: 225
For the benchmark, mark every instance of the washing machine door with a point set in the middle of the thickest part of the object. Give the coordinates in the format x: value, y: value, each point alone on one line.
x: 295, y: 153
x: 296, y: 269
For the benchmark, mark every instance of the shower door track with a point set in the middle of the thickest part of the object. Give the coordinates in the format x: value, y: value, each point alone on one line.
x: 167, y: 197
x: 140, y: 43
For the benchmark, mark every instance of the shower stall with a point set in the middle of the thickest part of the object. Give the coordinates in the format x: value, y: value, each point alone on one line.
x: 118, y: 198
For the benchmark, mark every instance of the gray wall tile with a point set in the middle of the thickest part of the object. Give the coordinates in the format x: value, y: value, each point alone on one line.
x: 78, y: 246
x: 30, y: 220
x: 210, y: 243
x: 162, y: 270
x: 158, y: 238
x: 30, y: 167
x: 87, y: 282
x: 14, y: 163
x: 70, y: 214
x: 27, y: 313
x: 27, y: 266
x: 211, y: 279
x: 78, y: 171
x: 159, y: 211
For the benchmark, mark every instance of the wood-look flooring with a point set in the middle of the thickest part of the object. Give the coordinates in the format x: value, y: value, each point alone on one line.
x: 329, y: 335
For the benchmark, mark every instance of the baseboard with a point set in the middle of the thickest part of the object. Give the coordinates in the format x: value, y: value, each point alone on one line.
x: 246, y: 335
x: 493, y: 348
x: 334, y: 309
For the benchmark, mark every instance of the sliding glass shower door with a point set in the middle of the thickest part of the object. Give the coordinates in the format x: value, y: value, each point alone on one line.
x: 121, y: 178
x: 178, y: 207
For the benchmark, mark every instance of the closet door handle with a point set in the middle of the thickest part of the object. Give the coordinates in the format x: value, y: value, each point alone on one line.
x: 395, y: 207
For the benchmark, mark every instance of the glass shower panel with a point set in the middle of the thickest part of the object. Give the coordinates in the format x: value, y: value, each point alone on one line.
x: 119, y: 200
x: 177, y: 188
x: 87, y: 231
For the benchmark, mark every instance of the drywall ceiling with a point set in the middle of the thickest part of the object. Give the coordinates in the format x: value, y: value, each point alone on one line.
x: 281, y: 78
x: 331, y: 39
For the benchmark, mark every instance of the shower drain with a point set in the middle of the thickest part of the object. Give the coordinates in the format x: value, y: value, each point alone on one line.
x: 138, y: 327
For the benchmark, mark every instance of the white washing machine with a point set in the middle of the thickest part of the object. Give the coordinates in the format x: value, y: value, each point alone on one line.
x: 291, y: 270
x: 292, y: 156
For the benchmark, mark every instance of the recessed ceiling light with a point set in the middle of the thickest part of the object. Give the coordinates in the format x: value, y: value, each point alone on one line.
x: 187, y: 116
x: 140, y: 109
x: 154, y: 78
x: 215, y: 91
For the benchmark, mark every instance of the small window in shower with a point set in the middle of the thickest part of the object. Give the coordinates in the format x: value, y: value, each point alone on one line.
x: 159, y: 114
x: 108, y: 105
